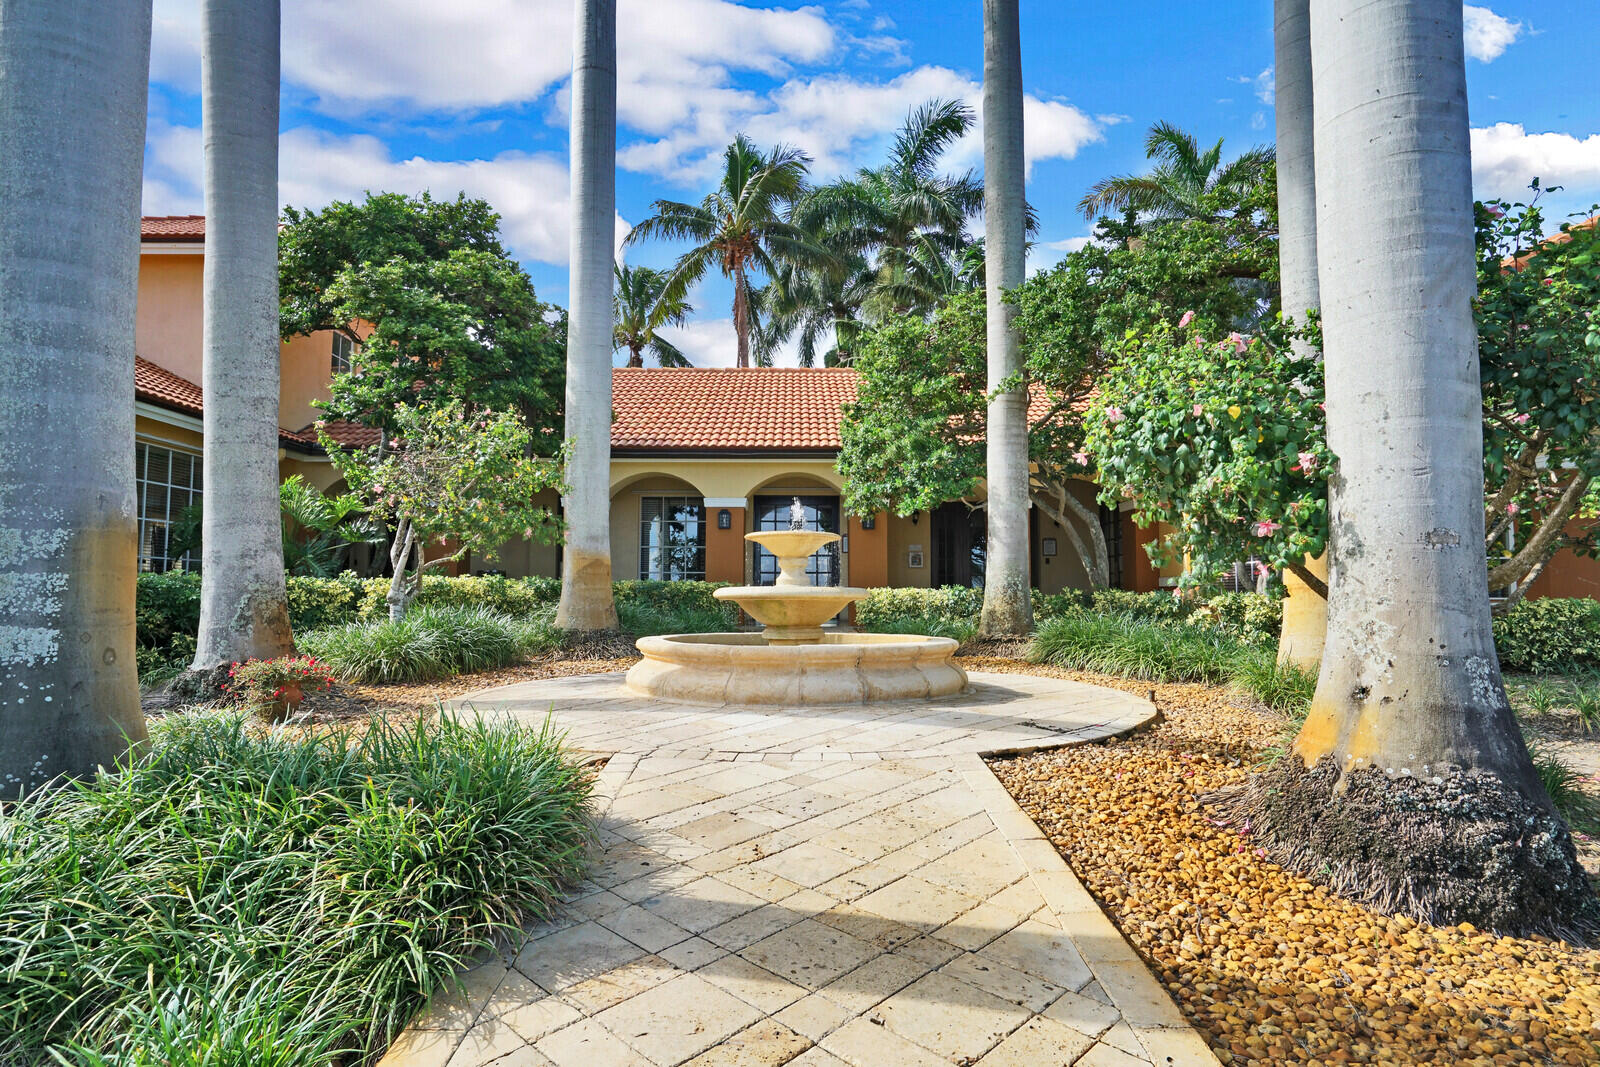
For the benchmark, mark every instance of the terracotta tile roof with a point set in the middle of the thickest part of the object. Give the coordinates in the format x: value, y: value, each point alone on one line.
x: 779, y: 409
x: 159, y: 386
x: 173, y: 228
x: 1517, y: 263
x: 348, y: 434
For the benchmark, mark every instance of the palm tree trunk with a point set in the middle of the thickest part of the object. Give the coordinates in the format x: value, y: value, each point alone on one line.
x: 1305, y: 620
x: 741, y: 314
x: 1412, y: 789
x: 73, y: 82
x: 635, y: 356
x: 1007, y: 606
x: 586, y: 598
x: 244, y: 607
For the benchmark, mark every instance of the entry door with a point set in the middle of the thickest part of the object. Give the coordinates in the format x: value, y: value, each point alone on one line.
x: 821, y: 514
x: 960, y: 545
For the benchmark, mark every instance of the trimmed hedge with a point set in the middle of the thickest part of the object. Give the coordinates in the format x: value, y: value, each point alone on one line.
x: 1552, y: 634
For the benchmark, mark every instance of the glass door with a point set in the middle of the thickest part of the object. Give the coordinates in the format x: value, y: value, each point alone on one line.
x: 821, y: 514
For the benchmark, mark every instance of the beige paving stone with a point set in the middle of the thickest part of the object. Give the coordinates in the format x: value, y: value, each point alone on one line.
x: 656, y: 882
x: 527, y: 1056
x: 874, y: 981
x: 809, y: 953
x: 676, y: 1021
x: 981, y: 868
x: 647, y: 930
x: 699, y: 905
x: 458, y: 1005
x: 1083, y: 1012
x: 1138, y: 996
x: 917, y: 903
x: 752, y: 926
x: 514, y: 991
x: 1039, y: 1042
x: 815, y: 1016
x: 873, y: 929
x: 764, y: 884
x: 575, y: 955
x: 751, y: 984
x: 976, y: 928
x: 588, y: 1044
x: 535, y: 1019
x: 852, y: 885
x: 692, y: 954
x: 807, y: 864
x: 1041, y: 951
x: 422, y: 1048
x: 1104, y: 1055
x: 1122, y: 1037
x: 929, y: 950
x: 766, y: 1044
x: 817, y: 1057
x: 1094, y: 992
x: 1007, y: 983
x: 862, y: 1043
x: 616, y: 985
x: 950, y: 1017
x: 486, y: 1042
x: 720, y: 830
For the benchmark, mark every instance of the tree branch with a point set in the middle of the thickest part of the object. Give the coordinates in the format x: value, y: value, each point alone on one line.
x: 1312, y: 582
x: 1543, y: 544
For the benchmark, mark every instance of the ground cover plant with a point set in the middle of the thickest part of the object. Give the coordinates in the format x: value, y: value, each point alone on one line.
x: 428, y: 644
x: 238, y: 896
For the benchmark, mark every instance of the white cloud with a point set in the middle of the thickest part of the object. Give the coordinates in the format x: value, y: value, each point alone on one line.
x: 1488, y: 34
x: 315, y: 167
x: 839, y: 120
x: 472, y: 54
x: 706, y: 342
x: 1264, y: 85
x: 1506, y: 157
x: 1042, y: 255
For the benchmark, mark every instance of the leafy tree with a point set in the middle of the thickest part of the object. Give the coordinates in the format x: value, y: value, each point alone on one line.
x: 1538, y: 314
x: 319, y: 530
x: 1185, y: 183
x: 742, y: 227
x: 439, y: 309
x: 641, y: 311
x: 450, y: 475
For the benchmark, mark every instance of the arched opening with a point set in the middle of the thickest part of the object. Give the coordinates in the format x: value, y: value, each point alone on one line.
x: 658, y: 530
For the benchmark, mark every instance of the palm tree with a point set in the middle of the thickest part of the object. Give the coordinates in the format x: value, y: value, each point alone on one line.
x: 1305, y: 614
x: 587, y: 602
x: 1413, y: 788
x: 74, y: 79
x: 742, y: 227
x: 1182, y: 181
x: 1007, y: 606
x: 640, y: 312
x: 244, y: 606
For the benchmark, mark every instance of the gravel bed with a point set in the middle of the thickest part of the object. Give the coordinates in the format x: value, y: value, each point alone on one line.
x: 1269, y: 967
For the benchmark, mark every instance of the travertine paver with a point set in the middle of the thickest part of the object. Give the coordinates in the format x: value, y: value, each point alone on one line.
x: 813, y: 887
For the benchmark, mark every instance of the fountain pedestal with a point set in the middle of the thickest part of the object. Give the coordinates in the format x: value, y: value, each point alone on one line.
x: 793, y: 661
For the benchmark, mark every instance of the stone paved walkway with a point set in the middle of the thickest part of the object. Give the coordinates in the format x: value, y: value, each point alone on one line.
x: 814, y: 887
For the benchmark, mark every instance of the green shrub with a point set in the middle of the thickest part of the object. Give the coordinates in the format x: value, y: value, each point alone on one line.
x: 1154, y: 606
x: 951, y: 603
x: 960, y: 630
x: 1283, y: 687
x: 1130, y: 648
x: 1255, y: 617
x: 1551, y: 634
x: 1047, y: 606
x: 317, y: 603
x: 238, y: 898
x: 166, y: 618
x: 428, y: 644
x: 1565, y: 786
x: 644, y: 618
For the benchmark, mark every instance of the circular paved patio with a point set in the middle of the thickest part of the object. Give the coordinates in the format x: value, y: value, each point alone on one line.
x: 1000, y: 713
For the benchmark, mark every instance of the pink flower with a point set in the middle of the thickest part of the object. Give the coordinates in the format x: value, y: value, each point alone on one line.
x: 1266, y: 528
x: 1113, y: 414
x: 1522, y: 419
x: 1239, y: 344
x: 1199, y: 410
x: 1081, y: 458
x: 1548, y: 281
x: 1199, y: 342
x: 1308, y: 462
x: 1497, y: 211
x: 1188, y: 317
x: 1512, y: 509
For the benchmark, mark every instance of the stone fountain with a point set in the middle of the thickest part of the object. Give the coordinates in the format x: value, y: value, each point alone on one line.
x: 794, y: 661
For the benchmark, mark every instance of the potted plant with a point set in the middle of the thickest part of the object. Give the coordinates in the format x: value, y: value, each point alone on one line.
x: 275, y: 687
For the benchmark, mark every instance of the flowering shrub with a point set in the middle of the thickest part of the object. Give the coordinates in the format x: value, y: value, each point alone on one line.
x: 265, y: 683
x: 1222, y: 440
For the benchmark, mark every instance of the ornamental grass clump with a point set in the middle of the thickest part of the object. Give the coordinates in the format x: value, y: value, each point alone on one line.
x: 428, y: 643
x: 239, y: 897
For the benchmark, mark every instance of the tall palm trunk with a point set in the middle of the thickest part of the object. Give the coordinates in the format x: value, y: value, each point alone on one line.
x: 244, y: 608
x: 741, y: 313
x: 1007, y: 606
x: 73, y: 83
x: 1412, y: 788
x: 1305, y: 620
x: 586, y: 597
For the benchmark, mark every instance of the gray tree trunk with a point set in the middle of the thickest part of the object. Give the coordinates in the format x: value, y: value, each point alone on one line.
x: 1413, y: 790
x: 73, y: 83
x: 586, y: 598
x: 244, y: 608
x: 1007, y: 605
x: 1301, y: 637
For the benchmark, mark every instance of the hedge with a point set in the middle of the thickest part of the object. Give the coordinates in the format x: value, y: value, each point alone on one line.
x: 1552, y: 634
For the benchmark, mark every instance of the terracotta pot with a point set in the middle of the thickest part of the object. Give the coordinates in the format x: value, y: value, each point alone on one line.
x: 277, y: 710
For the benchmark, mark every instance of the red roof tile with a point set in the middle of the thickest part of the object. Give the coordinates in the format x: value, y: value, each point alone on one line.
x: 784, y: 409
x: 173, y: 228
x: 348, y: 434
x: 159, y: 386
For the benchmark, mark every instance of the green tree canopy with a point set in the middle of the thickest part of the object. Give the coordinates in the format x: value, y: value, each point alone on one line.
x: 1187, y: 183
x: 438, y: 308
x: 641, y: 307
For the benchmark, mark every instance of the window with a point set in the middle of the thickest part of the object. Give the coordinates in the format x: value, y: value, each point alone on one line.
x: 1111, y: 527
x: 168, y: 483
x: 344, y: 350
x: 672, y: 539
x: 821, y: 514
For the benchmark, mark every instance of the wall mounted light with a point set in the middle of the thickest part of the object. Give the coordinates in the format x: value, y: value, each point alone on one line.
x: 724, y: 519
x: 868, y: 522
x: 915, y: 515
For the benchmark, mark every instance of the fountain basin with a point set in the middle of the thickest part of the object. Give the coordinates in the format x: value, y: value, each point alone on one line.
x: 792, y: 614
x: 843, y: 668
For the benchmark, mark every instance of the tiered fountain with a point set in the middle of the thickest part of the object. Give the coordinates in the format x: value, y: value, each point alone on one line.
x: 794, y: 661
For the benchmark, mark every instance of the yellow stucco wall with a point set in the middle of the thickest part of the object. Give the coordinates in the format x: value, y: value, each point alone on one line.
x: 904, y: 538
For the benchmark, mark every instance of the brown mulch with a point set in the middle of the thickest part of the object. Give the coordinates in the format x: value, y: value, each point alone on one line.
x: 1269, y: 967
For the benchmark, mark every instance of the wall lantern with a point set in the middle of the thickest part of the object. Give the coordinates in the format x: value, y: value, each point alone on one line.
x: 724, y: 519
x: 915, y: 515
x: 868, y: 522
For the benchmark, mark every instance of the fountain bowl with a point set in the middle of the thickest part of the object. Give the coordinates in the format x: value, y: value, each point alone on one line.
x: 842, y: 668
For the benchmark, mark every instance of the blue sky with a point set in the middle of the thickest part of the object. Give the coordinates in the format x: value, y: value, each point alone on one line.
x: 471, y: 94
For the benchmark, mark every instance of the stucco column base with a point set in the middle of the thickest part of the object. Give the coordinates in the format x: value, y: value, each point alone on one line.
x: 1305, y: 618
